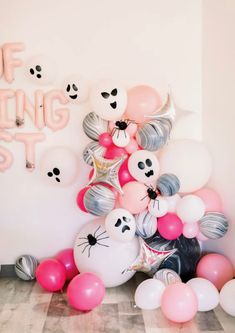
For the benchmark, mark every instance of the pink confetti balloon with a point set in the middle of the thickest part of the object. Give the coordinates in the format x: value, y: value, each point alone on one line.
x: 170, y: 226
x: 211, y: 199
x: 80, y: 197
x: 66, y: 258
x: 105, y: 140
x: 51, y: 275
x: 134, y: 198
x: 190, y: 230
x: 124, y: 174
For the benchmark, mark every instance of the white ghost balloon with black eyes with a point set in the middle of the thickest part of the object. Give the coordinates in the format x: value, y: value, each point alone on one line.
x: 120, y: 225
x: 144, y: 166
x: 108, y: 99
x: 97, y: 253
x: 41, y: 69
x: 75, y: 89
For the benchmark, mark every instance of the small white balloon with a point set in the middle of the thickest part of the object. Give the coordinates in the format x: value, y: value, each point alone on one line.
x: 158, y: 207
x: 172, y: 202
x: 59, y: 166
x: 75, y: 89
x: 108, y: 99
x: 190, y: 208
x: 120, y: 138
x: 149, y: 293
x: 120, y: 225
x: 41, y: 69
x: 144, y: 166
x: 207, y: 294
x: 227, y: 298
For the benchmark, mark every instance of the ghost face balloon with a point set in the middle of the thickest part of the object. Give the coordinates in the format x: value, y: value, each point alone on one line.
x: 75, y: 89
x: 41, y: 70
x: 108, y: 99
x: 96, y: 252
x: 120, y: 225
x: 59, y: 166
x: 144, y: 166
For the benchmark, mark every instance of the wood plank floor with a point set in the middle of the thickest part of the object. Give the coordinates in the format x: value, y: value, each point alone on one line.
x: 26, y: 308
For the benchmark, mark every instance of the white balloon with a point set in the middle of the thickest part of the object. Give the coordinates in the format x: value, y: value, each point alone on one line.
x: 158, y: 207
x: 120, y: 138
x: 41, y: 69
x: 207, y: 294
x: 75, y: 89
x: 144, y: 166
x: 96, y: 252
x: 120, y: 225
x: 149, y: 293
x: 172, y: 202
x: 190, y: 208
x: 190, y: 161
x: 108, y: 99
x: 59, y: 166
x: 227, y: 297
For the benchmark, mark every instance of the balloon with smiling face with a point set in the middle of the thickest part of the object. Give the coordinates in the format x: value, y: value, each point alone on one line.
x: 75, y: 89
x: 108, y: 99
x: 97, y: 253
x: 41, y: 69
x: 144, y: 166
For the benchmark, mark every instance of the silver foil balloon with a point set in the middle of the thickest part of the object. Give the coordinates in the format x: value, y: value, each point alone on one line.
x: 168, y: 184
x: 96, y: 148
x: 99, y: 200
x: 93, y: 126
x: 146, y: 224
x: 25, y: 267
x: 167, y: 276
x: 213, y: 225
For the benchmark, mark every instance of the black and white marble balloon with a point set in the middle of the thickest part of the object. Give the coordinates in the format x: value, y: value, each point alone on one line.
x: 213, y: 225
x: 94, y: 147
x: 168, y: 184
x: 146, y: 224
x: 25, y: 267
x: 167, y: 276
x: 99, y: 200
x: 93, y: 126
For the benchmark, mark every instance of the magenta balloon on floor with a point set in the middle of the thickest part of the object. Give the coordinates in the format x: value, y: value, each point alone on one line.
x: 51, y: 275
x: 66, y: 258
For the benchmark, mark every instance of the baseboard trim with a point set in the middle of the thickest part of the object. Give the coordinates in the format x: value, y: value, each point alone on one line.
x: 7, y: 271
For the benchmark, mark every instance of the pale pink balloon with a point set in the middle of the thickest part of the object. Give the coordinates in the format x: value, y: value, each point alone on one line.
x: 179, y: 302
x: 134, y: 198
x: 190, y: 230
x: 142, y: 100
x: 211, y: 199
x: 201, y: 237
x: 132, y: 146
x: 131, y: 128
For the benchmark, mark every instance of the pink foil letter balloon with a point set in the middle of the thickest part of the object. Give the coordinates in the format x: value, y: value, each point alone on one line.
x: 6, y: 157
x: 9, y: 61
x: 5, y: 122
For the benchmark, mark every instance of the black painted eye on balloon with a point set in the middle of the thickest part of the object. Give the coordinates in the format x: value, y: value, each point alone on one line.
x: 36, y: 71
x: 55, y: 172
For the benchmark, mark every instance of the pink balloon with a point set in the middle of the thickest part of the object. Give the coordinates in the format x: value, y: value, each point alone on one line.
x: 113, y: 151
x: 51, y: 275
x: 215, y: 268
x: 211, y: 199
x: 66, y: 258
x: 179, y: 302
x: 80, y: 197
x: 201, y: 237
x: 170, y: 226
x: 85, y: 292
x: 132, y: 146
x: 142, y: 100
x: 190, y: 230
x: 124, y: 174
x: 105, y: 140
x: 134, y: 198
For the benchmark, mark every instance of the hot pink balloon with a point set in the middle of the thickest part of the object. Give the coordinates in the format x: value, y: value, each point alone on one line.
x: 190, y: 230
x: 113, y: 151
x: 170, y: 226
x: 66, y: 258
x: 132, y: 146
x: 80, y: 197
x: 124, y: 174
x: 211, y: 199
x: 134, y: 198
x: 179, y: 302
x: 142, y: 100
x: 105, y: 140
x: 85, y: 292
x: 215, y: 268
x: 51, y: 275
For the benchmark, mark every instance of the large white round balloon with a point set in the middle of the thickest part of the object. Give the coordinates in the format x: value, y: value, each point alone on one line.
x: 158, y: 207
x: 75, y: 89
x: 227, y: 298
x: 41, y: 69
x: 108, y: 99
x: 207, y: 294
x: 190, y: 208
x: 144, y: 166
x: 59, y: 166
x: 120, y: 225
x: 96, y: 252
x: 149, y: 293
x: 190, y: 161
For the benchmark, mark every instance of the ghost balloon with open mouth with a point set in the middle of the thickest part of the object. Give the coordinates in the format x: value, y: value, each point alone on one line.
x: 75, y: 89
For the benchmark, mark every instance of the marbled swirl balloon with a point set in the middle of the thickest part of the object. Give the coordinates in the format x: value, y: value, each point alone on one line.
x: 213, y: 225
x: 96, y: 148
x: 99, y: 200
x: 154, y: 134
x: 168, y: 184
x: 146, y: 224
x: 25, y: 267
x: 167, y: 276
x: 93, y: 126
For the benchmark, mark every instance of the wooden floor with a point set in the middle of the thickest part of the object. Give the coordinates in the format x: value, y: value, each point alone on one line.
x: 25, y: 308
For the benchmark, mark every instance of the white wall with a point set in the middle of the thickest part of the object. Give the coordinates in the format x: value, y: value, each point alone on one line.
x: 154, y: 42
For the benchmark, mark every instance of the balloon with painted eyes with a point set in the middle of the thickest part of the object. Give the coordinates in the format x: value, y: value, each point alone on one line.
x: 75, y: 89
x: 120, y: 225
x: 41, y: 69
x: 59, y: 166
x: 144, y: 166
x: 97, y: 253
x: 108, y: 99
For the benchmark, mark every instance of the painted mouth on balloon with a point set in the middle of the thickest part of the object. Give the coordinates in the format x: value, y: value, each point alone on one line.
x: 125, y: 228
x: 113, y: 105
x: 149, y: 174
x: 73, y: 96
